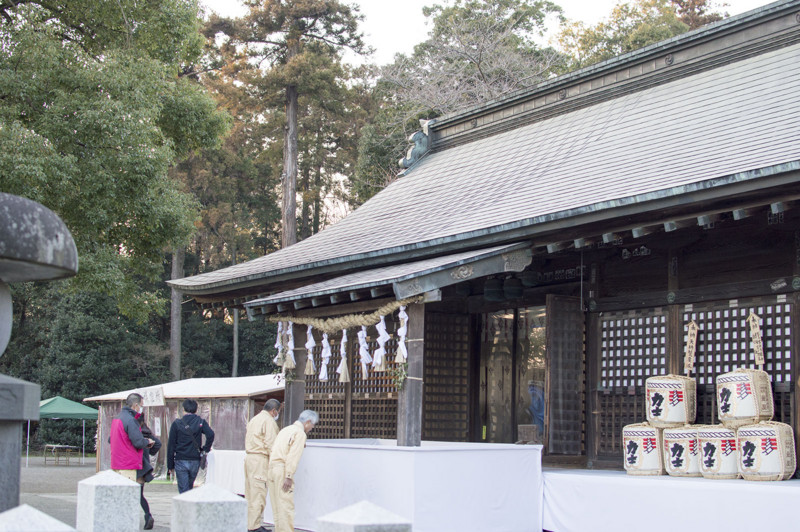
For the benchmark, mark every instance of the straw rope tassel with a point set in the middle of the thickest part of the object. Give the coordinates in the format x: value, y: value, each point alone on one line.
x: 278, y: 360
x: 289, y: 362
x: 331, y: 325
x: 344, y: 373
x: 310, y: 345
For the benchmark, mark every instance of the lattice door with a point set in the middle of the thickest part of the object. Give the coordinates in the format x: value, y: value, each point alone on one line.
x: 723, y: 345
x: 633, y: 347
x: 446, y: 377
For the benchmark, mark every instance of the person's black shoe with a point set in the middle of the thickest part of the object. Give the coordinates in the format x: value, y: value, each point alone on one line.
x: 149, y: 522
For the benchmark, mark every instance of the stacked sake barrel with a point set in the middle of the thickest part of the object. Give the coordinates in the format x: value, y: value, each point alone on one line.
x: 649, y: 447
x: 765, y: 449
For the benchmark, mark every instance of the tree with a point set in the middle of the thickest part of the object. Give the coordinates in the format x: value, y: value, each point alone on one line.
x: 477, y: 51
x: 288, y: 36
x: 95, y: 112
x: 632, y: 26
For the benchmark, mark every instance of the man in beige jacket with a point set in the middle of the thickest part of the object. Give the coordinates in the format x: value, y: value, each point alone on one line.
x: 285, y: 455
x: 261, y: 433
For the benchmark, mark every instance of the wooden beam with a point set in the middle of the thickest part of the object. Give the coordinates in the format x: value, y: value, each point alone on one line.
x: 303, y: 303
x: 355, y: 295
x: 584, y: 242
x: 380, y: 291
x: 706, y: 220
x: 339, y: 298
x: 320, y: 301
x: 639, y: 232
x: 741, y: 214
x: 556, y: 246
x: 778, y: 207
x: 610, y: 238
x: 678, y: 224
x: 283, y: 307
x: 368, y: 305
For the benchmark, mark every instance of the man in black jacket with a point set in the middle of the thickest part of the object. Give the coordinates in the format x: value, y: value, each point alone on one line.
x: 184, y: 445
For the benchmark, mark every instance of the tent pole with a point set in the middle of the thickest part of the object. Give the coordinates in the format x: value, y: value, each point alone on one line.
x: 28, y: 443
x: 83, y: 448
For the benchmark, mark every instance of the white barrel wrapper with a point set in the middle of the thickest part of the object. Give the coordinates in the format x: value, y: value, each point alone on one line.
x: 642, y: 448
x: 681, y: 452
x: 744, y: 397
x: 766, y: 451
x: 671, y: 400
x: 719, y: 455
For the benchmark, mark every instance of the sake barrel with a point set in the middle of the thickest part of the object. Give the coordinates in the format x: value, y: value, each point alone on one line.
x: 719, y: 457
x: 642, y: 446
x: 766, y: 451
x: 681, y: 455
x: 671, y: 400
x: 744, y: 397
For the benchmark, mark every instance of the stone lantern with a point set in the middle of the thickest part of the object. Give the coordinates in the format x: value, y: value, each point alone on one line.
x: 35, y: 245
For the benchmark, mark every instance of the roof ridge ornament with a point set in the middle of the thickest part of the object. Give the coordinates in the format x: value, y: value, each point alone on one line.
x: 419, y: 144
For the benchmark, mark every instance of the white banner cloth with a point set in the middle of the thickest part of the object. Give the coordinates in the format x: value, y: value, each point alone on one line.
x: 363, y: 352
x: 402, y: 332
x: 326, y: 356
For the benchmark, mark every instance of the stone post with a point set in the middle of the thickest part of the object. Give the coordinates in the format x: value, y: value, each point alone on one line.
x: 19, y: 402
x: 108, y: 502
x: 28, y: 519
x: 363, y: 516
x: 209, y: 508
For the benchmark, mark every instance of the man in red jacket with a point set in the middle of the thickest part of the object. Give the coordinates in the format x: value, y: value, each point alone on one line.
x: 127, y: 440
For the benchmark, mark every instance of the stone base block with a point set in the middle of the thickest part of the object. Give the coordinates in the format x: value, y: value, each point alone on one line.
x: 363, y: 516
x: 209, y: 508
x: 108, y: 502
x: 28, y: 519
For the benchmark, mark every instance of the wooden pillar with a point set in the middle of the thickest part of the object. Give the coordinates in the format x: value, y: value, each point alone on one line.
x: 295, y: 394
x: 409, y: 402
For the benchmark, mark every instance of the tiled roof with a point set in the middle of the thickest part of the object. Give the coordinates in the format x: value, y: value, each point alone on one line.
x: 658, y: 142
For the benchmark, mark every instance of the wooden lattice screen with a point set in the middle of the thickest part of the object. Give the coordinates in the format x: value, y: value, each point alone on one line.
x: 446, y: 377
x: 327, y: 398
x: 633, y: 346
x: 373, y: 401
x: 565, y: 362
x: 723, y: 345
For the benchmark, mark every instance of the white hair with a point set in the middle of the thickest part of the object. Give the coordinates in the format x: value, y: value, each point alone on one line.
x: 308, y: 415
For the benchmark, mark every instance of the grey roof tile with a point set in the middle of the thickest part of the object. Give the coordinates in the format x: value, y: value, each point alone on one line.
x: 736, y: 118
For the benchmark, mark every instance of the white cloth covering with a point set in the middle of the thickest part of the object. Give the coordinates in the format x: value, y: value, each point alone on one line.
x: 402, y: 331
x: 326, y: 357
x: 438, y: 487
x: 612, y: 501
x: 363, y: 352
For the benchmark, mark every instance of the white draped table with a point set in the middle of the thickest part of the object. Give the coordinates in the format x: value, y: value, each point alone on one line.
x: 439, y: 487
x: 578, y: 500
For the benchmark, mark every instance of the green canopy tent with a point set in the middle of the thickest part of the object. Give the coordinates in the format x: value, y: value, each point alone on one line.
x: 60, y: 408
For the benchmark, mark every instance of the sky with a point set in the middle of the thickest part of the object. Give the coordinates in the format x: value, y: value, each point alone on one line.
x: 392, y: 26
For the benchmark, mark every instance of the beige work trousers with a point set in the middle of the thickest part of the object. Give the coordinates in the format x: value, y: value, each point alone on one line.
x: 130, y: 474
x: 282, y: 501
x: 255, y: 488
